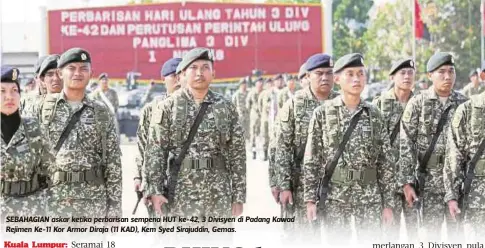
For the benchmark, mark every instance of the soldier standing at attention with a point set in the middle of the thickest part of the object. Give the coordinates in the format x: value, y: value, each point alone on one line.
x: 87, y: 178
x: 25, y: 156
x: 239, y: 100
x: 39, y: 89
x: 207, y: 175
x: 287, y: 92
x: 255, y: 114
x: 391, y: 104
x: 268, y: 104
x: 362, y: 183
x: 293, y: 121
x: 465, y: 143
x: 474, y: 87
x: 421, y: 141
x: 105, y: 94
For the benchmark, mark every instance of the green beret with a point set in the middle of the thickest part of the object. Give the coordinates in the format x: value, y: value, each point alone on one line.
x: 439, y: 59
x: 401, y: 64
x: 73, y: 55
x: 473, y: 73
x: 268, y: 81
x: 198, y: 53
x: 242, y: 81
x: 302, y: 72
x: 103, y: 75
x: 39, y: 63
x: 278, y: 76
x: 50, y: 62
x: 348, y: 61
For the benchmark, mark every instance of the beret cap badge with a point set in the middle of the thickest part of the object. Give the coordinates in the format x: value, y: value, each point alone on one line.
x: 14, y: 74
x: 83, y: 56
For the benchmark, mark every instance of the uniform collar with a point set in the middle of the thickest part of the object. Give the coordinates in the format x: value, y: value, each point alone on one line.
x: 209, y: 98
x: 85, y: 101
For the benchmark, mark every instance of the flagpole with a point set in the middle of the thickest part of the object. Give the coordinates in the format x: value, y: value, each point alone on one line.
x: 413, y: 10
x: 482, y: 61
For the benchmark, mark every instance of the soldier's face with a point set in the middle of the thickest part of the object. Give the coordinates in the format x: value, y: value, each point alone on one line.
x: 474, y: 79
x: 104, y: 83
x: 243, y: 87
x: 52, y: 81
x: 171, y: 83
x: 404, y: 79
x: 321, y: 80
x: 291, y: 84
x: 443, y: 78
x: 199, y: 74
x: 352, y: 80
x: 10, y: 98
x: 259, y: 86
x: 76, y: 75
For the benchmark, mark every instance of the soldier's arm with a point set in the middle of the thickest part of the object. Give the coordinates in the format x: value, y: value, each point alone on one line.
x: 142, y: 137
x: 284, y: 146
x: 249, y: 100
x: 408, y: 152
x: 116, y: 101
x: 386, y: 168
x: 237, y: 157
x: 113, y: 172
x: 156, y: 152
x: 313, y: 159
x: 456, y: 154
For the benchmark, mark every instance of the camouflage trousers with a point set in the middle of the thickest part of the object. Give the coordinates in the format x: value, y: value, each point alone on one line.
x: 301, y: 232
x: 245, y: 122
x: 435, y: 212
x: 475, y: 220
x: 392, y: 233
x: 265, y: 133
x: 255, y: 128
x: 337, y: 222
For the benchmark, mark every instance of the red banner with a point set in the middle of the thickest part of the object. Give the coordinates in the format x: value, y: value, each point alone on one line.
x: 274, y: 38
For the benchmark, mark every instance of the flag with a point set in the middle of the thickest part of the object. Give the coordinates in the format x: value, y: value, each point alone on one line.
x: 420, y: 29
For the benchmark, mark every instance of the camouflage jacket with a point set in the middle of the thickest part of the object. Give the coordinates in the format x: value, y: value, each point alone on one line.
x: 110, y: 94
x: 284, y: 95
x: 27, y: 154
x: 465, y: 134
x: 142, y: 131
x: 368, y: 149
x: 418, y: 125
x: 219, y: 136
x: 265, y: 102
x: 293, y: 121
x: 91, y: 145
x: 252, y: 102
x: 469, y: 90
x: 239, y: 100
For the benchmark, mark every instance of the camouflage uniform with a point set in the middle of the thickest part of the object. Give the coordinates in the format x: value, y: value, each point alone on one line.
x: 419, y: 122
x: 470, y: 90
x: 293, y: 121
x: 464, y: 136
x: 284, y: 95
x: 111, y: 95
x: 392, y: 110
x: 367, y: 158
x: 218, y: 149
x: 239, y: 100
x: 255, y: 116
x: 87, y: 178
x: 268, y: 105
x: 25, y: 160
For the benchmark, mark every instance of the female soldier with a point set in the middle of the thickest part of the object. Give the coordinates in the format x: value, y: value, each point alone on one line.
x: 24, y: 156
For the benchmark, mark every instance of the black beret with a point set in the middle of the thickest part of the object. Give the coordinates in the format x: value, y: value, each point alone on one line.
x: 348, y: 61
x: 268, y: 81
x: 49, y: 63
x: 38, y: 64
x: 302, y: 72
x: 73, y: 55
x: 170, y: 66
x: 103, y: 75
x: 401, y: 64
x: 198, y: 53
x: 10, y: 75
x: 278, y: 76
x: 319, y: 60
x: 242, y: 81
x: 473, y: 73
x: 439, y: 59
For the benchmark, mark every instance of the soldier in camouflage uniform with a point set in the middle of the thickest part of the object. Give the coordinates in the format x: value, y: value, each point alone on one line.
x: 254, y: 115
x: 475, y: 87
x: 105, y: 94
x: 418, y: 125
x: 87, y: 178
x: 391, y: 104
x: 293, y: 121
x: 239, y: 100
x: 268, y: 105
x: 363, y: 183
x: 464, y: 137
x: 287, y: 93
x: 34, y: 95
x: 24, y: 156
x: 212, y: 176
